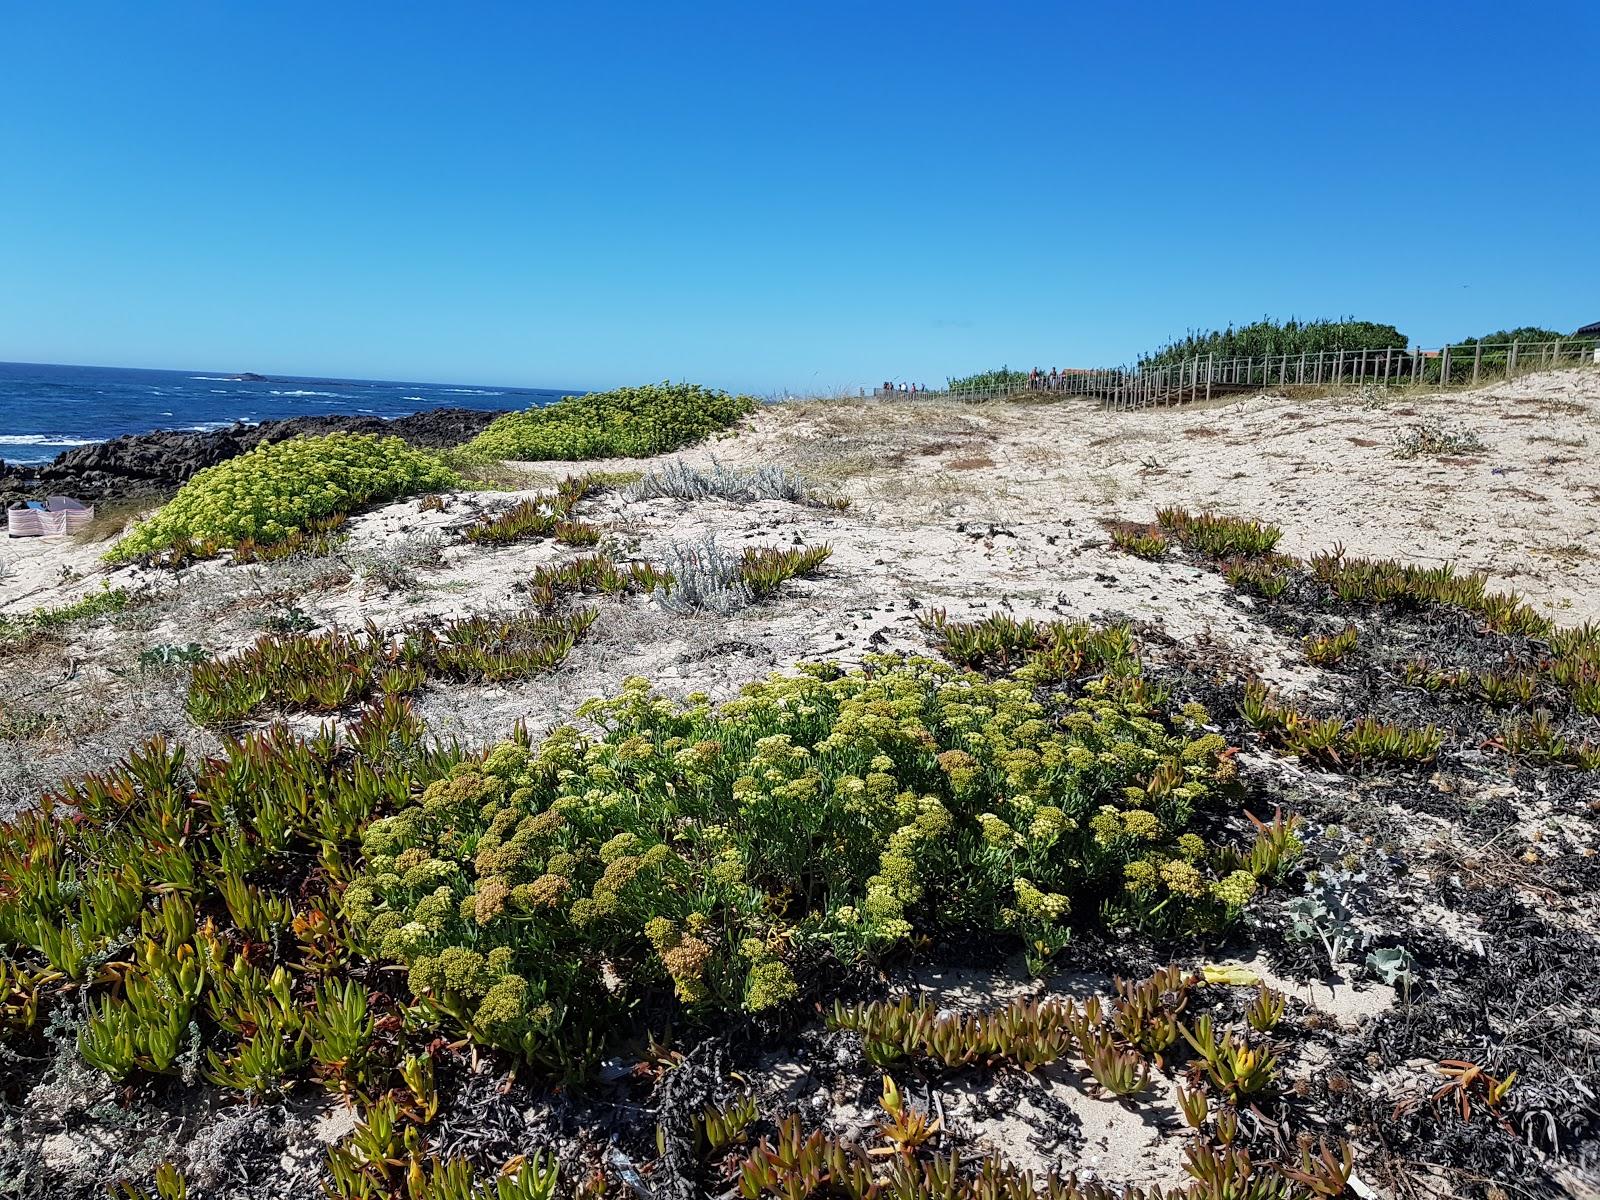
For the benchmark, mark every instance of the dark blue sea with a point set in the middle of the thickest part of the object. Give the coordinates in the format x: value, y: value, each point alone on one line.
x: 47, y: 409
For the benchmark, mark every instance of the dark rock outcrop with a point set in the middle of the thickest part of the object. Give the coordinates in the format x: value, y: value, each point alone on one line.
x: 158, y: 463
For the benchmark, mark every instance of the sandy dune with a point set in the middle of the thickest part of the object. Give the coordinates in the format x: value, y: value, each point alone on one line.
x: 962, y: 507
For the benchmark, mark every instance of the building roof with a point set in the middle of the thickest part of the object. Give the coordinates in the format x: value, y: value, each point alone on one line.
x: 1589, y: 331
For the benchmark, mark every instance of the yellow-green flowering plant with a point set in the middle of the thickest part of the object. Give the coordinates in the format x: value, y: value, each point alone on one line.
x: 632, y: 421
x: 723, y: 854
x: 271, y: 493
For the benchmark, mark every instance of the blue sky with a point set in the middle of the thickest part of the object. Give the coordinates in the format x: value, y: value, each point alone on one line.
x: 766, y: 196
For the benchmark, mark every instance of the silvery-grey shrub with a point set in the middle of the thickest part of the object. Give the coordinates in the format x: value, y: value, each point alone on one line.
x: 680, y: 481
x: 705, y: 578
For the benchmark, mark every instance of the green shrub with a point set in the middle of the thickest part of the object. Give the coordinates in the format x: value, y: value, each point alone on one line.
x: 1269, y: 337
x: 271, y: 492
x: 1005, y: 377
x: 722, y: 851
x: 1504, y: 337
x: 627, y: 422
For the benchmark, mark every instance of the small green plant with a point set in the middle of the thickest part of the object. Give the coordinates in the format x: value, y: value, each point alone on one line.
x: 1334, y: 743
x: 1327, y: 1173
x: 1433, y: 439
x: 388, y: 1155
x: 1380, y: 581
x: 1266, y: 1010
x: 17, y: 632
x: 592, y: 574
x: 1118, y: 1071
x: 719, y: 1128
x: 1326, y: 650
x: 1238, y: 1070
x: 1046, y: 652
x: 1396, y: 967
x: 1263, y: 577
x: 1537, y: 738
x: 327, y: 672
x: 1144, y: 1013
x: 764, y: 568
x: 1219, y: 537
x: 527, y: 519
x: 168, y: 1181
x: 169, y: 657
x: 1324, y: 916
x: 795, y: 1165
x: 1025, y: 1034
x: 107, y: 877
x: 1142, y: 541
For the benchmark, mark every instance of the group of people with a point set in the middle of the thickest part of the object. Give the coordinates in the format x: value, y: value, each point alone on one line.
x: 1052, y: 382
x: 890, y: 387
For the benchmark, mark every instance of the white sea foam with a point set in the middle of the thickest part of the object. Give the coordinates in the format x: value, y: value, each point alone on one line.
x: 44, y: 439
x: 467, y: 392
x: 330, y: 395
x: 215, y: 378
x: 420, y: 399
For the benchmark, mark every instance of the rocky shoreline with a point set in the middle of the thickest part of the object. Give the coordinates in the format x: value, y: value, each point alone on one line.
x: 159, y: 462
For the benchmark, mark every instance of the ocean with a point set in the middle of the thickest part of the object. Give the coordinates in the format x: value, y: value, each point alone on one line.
x: 47, y: 409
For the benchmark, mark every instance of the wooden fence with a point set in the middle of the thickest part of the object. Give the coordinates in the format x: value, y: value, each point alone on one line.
x: 1205, y: 376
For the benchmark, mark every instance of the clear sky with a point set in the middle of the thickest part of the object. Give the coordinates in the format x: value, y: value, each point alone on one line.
x: 767, y: 196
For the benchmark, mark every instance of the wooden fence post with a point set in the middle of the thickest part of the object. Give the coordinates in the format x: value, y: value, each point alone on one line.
x: 1444, y: 367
